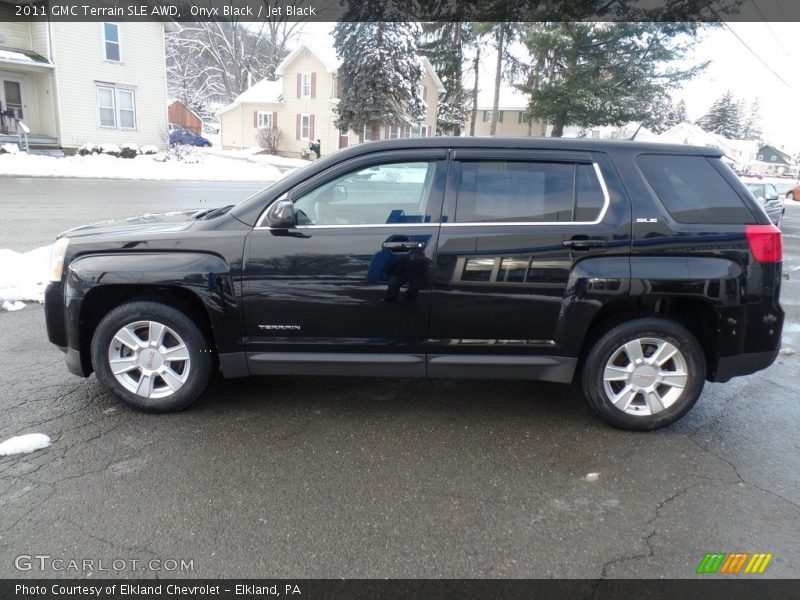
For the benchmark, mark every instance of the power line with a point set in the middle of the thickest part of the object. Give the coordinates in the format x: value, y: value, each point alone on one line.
x: 775, y: 36
x: 761, y: 60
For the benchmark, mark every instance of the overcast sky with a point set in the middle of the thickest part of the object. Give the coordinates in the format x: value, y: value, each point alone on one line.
x: 762, y: 63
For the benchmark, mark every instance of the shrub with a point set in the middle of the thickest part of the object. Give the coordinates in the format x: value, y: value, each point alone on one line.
x: 111, y: 149
x: 86, y: 149
x: 129, y: 151
x: 149, y: 149
x: 269, y: 139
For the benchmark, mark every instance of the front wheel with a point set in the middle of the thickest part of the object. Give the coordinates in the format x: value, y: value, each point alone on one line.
x: 644, y: 374
x: 152, y: 356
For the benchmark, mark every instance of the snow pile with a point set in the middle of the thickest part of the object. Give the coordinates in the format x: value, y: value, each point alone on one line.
x: 23, y: 444
x: 23, y: 276
x: 9, y: 148
x: 144, y: 166
x: 592, y: 476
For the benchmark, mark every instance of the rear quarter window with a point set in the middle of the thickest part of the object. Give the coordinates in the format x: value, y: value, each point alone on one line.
x: 692, y: 190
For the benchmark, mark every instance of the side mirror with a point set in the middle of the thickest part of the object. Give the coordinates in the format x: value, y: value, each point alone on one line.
x: 771, y: 196
x: 281, y: 215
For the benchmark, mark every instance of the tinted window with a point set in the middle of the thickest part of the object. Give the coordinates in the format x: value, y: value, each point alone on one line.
x: 693, y: 191
x: 504, y: 191
x: 385, y: 193
x: 508, y: 191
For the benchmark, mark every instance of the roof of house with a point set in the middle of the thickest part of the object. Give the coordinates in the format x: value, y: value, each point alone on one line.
x: 325, y: 54
x: 263, y: 92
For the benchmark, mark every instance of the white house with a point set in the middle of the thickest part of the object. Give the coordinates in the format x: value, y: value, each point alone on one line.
x: 738, y: 153
x: 75, y: 83
x: 301, y: 104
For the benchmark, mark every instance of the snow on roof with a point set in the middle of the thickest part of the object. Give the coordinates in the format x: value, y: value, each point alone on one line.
x: 19, y: 56
x: 263, y: 92
x: 325, y: 54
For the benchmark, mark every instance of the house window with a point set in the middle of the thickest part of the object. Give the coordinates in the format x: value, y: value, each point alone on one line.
x: 487, y: 116
x: 305, y: 126
x: 595, y: 134
x: 264, y: 119
x: 423, y: 131
x: 305, y: 85
x: 111, y: 41
x: 334, y: 86
x: 761, y: 157
x: 116, y: 107
x: 394, y: 132
x: 520, y: 117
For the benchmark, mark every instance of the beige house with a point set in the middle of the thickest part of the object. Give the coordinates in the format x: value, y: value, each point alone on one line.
x: 75, y: 83
x: 511, y: 114
x: 301, y: 103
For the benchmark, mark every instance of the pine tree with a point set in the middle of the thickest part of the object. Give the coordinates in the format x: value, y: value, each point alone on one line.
x: 751, y: 127
x: 590, y: 74
x: 724, y: 117
x: 665, y: 114
x: 444, y: 46
x: 379, y: 74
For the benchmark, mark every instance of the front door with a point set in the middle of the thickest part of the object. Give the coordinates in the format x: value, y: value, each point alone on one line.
x: 12, y: 100
x: 514, y: 225
x: 347, y: 291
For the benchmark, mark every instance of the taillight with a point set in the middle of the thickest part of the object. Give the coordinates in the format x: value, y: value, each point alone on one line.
x: 766, y: 243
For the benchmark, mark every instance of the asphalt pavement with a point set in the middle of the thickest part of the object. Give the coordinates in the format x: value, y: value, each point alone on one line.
x: 314, y: 477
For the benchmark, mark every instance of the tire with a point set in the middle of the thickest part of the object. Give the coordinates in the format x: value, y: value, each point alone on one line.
x: 649, y: 396
x: 790, y: 195
x: 161, y: 357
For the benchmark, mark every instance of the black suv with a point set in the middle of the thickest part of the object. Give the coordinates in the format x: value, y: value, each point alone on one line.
x: 644, y: 269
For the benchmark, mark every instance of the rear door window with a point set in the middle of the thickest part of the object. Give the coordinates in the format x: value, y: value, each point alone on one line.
x: 692, y: 190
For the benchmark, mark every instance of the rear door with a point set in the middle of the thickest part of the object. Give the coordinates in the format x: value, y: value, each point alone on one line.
x: 514, y: 225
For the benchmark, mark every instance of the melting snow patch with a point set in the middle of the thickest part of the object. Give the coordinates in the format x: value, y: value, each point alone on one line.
x: 22, y: 444
x: 12, y: 306
x: 23, y: 276
x: 592, y: 476
x: 787, y: 351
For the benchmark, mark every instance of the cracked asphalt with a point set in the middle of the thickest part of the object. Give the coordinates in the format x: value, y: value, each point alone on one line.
x: 312, y: 477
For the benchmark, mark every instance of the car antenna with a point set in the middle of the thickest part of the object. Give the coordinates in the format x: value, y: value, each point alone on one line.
x: 633, y: 137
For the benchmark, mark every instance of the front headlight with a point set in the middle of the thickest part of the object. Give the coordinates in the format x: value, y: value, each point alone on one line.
x: 57, y: 254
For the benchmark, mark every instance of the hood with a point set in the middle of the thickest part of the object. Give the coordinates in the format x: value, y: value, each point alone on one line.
x: 147, y: 223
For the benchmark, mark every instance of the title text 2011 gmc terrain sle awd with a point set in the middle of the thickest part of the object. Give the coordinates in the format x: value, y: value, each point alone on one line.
x: 642, y: 270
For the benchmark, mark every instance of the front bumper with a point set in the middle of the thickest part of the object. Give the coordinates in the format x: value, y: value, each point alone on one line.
x: 56, y: 323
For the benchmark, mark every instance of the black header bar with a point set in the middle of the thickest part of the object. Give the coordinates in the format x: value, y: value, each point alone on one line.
x: 400, y: 10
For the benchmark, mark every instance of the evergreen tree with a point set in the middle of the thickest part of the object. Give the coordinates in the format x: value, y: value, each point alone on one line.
x: 590, y: 74
x: 724, y: 117
x: 665, y: 114
x: 751, y: 126
x: 444, y: 44
x: 379, y: 74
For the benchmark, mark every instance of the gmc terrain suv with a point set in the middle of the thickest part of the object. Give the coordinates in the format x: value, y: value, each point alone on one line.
x: 642, y: 270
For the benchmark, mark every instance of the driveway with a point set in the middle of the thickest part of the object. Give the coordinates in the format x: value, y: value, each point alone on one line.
x: 313, y: 477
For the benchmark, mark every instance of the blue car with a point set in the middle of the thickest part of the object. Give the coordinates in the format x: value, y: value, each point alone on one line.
x: 179, y: 135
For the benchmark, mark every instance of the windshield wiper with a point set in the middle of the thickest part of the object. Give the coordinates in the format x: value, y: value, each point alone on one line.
x: 205, y: 215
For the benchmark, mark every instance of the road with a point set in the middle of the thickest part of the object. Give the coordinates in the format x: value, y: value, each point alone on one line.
x: 291, y: 477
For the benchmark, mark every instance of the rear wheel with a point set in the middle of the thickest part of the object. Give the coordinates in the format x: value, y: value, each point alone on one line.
x: 790, y: 195
x: 152, y: 356
x: 644, y: 374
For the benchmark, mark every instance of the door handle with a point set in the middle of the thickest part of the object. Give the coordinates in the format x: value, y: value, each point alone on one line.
x: 583, y: 244
x: 403, y: 246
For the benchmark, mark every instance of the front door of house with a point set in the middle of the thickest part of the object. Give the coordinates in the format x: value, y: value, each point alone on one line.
x: 12, y: 101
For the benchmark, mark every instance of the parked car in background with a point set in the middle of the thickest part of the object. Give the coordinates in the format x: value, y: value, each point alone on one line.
x: 768, y: 197
x: 793, y: 193
x: 179, y: 135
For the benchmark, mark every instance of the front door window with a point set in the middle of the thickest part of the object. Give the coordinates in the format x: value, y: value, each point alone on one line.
x: 376, y: 195
x: 11, y: 104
